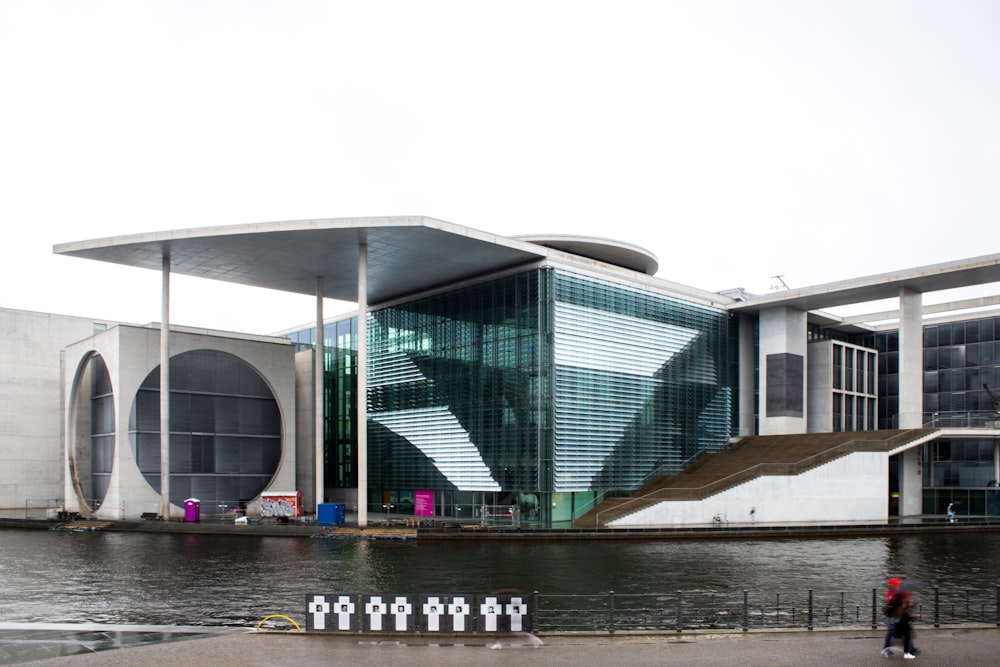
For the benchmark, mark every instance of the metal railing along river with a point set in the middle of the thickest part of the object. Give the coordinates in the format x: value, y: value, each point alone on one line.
x: 688, y: 611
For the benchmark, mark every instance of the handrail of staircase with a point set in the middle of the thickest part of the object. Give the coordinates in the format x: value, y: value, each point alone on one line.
x: 593, y: 501
x: 761, y: 469
x: 657, y: 472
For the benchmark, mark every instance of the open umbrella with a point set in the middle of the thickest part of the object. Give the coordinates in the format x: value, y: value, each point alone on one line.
x: 908, y: 585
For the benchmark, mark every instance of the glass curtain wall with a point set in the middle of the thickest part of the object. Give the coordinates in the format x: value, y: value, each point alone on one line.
x: 854, y: 388
x: 644, y: 384
x: 340, y: 385
x: 537, y: 391
x: 457, y: 395
x: 961, y: 369
x: 886, y: 344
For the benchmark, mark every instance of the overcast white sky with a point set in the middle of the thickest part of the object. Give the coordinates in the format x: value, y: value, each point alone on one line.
x: 735, y: 140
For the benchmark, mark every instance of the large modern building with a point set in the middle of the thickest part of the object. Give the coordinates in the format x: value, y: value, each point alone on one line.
x: 540, y: 379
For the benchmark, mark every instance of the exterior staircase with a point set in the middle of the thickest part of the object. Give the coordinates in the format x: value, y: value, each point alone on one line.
x: 748, y: 459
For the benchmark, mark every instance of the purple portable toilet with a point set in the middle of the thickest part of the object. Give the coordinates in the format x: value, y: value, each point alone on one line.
x: 192, y: 509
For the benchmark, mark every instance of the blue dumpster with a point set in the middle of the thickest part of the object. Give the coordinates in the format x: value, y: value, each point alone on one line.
x: 192, y: 509
x: 330, y: 513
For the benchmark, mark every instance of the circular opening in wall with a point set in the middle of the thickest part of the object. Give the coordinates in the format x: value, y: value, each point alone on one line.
x: 94, y: 440
x: 225, y: 430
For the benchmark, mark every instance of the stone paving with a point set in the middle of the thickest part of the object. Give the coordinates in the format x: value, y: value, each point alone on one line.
x: 968, y: 647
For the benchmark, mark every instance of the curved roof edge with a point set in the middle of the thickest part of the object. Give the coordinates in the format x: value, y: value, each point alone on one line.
x: 609, y: 251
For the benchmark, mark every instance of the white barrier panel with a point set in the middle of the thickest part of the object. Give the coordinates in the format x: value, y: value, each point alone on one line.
x: 391, y: 613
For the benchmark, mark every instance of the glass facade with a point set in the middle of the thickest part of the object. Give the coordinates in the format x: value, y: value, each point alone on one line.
x: 225, y: 430
x: 102, y: 431
x: 886, y: 344
x: 458, y: 387
x: 854, y: 387
x: 961, y: 368
x: 533, y: 390
x: 340, y: 385
x: 643, y: 383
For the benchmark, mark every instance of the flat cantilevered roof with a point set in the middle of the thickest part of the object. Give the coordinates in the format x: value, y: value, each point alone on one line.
x: 406, y: 255
x: 935, y: 277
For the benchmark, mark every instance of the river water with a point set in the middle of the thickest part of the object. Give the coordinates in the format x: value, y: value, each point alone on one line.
x: 164, y: 579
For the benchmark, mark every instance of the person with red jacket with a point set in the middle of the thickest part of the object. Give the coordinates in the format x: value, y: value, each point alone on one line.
x: 898, y: 619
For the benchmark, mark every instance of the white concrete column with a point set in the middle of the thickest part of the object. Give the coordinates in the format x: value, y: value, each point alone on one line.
x: 746, y: 376
x: 362, y: 397
x: 911, y: 483
x: 783, y: 373
x: 819, y: 397
x: 319, y: 402
x: 911, y: 359
x: 996, y: 460
x: 164, y: 390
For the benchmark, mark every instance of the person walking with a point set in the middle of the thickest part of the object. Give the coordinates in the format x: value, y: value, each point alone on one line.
x: 898, y: 620
x: 890, y: 619
x: 952, y: 511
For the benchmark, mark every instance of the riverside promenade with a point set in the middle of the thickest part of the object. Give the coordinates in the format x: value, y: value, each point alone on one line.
x: 402, y: 527
x: 968, y: 647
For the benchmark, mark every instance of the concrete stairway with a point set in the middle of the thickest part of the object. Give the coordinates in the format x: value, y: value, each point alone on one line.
x: 748, y: 459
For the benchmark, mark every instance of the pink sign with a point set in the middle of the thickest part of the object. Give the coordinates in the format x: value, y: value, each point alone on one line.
x: 423, y: 503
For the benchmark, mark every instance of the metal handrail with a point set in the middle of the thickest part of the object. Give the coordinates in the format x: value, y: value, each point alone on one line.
x: 962, y: 419
x: 683, y: 465
x: 746, y: 611
x: 762, y: 469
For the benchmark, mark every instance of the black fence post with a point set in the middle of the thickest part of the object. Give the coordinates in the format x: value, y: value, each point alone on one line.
x: 746, y: 610
x: 611, y: 612
x: 998, y: 605
x: 810, y: 625
x: 680, y: 611
x: 937, y: 607
x: 534, y: 617
x: 875, y: 608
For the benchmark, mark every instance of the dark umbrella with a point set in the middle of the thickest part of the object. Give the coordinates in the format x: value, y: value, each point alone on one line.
x: 908, y: 585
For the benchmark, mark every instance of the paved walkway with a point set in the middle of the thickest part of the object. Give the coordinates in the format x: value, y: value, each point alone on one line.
x: 968, y: 647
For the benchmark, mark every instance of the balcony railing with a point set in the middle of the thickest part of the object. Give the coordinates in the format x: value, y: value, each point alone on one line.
x: 964, y: 419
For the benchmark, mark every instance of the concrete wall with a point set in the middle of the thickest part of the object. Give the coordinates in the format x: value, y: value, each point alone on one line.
x: 820, y: 394
x: 782, y: 363
x: 305, y: 429
x: 852, y: 488
x: 131, y: 353
x: 31, y: 425
x: 747, y: 375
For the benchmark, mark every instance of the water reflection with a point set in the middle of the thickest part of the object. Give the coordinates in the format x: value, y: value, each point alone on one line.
x: 234, y: 580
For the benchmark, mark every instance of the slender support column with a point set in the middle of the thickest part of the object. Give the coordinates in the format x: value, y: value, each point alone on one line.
x: 911, y: 397
x: 746, y: 377
x: 362, y: 397
x: 911, y: 345
x: 165, y: 391
x: 319, y: 400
